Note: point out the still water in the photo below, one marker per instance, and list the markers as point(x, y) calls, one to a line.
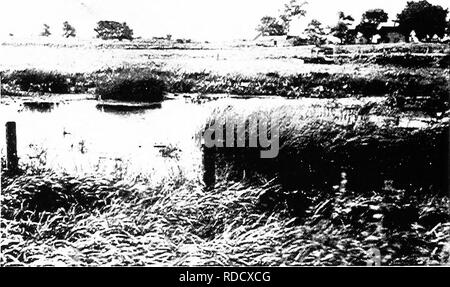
point(81, 137)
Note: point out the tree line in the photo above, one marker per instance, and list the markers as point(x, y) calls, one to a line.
point(425, 19)
point(105, 30)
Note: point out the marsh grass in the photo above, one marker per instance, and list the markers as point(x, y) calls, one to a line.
point(131, 86)
point(115, 222)
point(38, 81)
point(419, 90)
point(312, 148)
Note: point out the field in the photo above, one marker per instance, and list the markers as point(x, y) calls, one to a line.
point(116, 176)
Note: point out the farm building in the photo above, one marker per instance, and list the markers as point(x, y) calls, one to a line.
point(271, 41)
point(390, 34)
point(298, 40)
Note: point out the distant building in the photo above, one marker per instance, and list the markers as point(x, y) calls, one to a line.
point(298, 40)
point(280, 41)
point(271, 41)
point(390, 33)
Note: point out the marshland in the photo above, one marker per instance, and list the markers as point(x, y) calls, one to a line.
point(111, 165)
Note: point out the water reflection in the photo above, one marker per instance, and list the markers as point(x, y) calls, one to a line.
point(41, 107)
point(126, 108)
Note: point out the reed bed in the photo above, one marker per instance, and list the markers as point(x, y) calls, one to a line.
point(315, 142)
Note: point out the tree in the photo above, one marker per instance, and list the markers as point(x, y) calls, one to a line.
point(316, 35)
point(68, 30)
point(107, 30)
point(423, 18)
point(370, 21)
point(270, 26)
point(292, 9)
point(46, 31)
point(341, 29)
point(345, 18)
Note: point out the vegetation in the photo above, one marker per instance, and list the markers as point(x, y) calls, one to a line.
point(46, 31)
point(38, 81)
point(269, 26)
point(315, 32)
point(68, 30)
point(133, 87)
point(107, 30)
point(315, 143)
point(273, 26)
point(53, 219)
point(370, 21)
point(421, 90)
point(341, 30)
point(424, 18)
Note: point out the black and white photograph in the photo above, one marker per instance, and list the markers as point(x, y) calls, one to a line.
point(224, 133)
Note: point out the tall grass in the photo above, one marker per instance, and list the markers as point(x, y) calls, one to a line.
point(103, 222)
point(132, 86)
point(38, 81)
point(314, 147)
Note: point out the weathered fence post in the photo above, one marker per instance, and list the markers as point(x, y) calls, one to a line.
point(209, 166)
point(11, 147)
point(208, 160)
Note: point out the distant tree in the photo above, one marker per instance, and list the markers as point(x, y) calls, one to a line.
point(341, 30)
point(292, 9)
point(375, 16)
point(370, 21)
point(107, 30)
point(447, 30)
point(423, 18)
point(345, 18)
point(315, 32)
point(46, 31)
point(270, 26)
point(68, 30)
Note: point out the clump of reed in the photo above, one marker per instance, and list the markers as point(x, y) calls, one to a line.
point(130, 85)
point(32, 80)
point(39, 81)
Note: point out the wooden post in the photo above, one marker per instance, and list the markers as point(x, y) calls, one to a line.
point(11, 147)
point(209, 166)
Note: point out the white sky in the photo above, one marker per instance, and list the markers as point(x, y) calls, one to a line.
point(197, 19)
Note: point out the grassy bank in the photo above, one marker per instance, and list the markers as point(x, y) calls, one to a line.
point(423, 89)
point(54, 219)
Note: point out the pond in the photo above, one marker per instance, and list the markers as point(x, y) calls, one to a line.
point(84, 137)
